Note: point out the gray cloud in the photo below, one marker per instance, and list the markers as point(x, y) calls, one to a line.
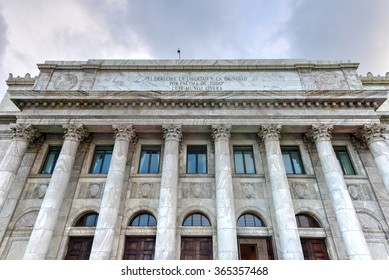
point(334, 29)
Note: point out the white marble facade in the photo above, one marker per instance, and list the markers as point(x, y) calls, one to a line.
point(260, 106)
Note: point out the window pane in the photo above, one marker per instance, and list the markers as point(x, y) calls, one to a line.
point(152, 221)
point(191, 163)
point(154, 164)
point(249, 220)
point(98, 160)
point(91, 220)
point(298, 168)
point(344, 160)
point(144, 162)
point(51, 160)
point(239, 167)
point(196, 220)
point(287, 163)
point(202, 163)
point(135, 222)
point(241, 222)
point(107, 162)
point(188, 221)
point(205, 221)
point(143, 219)
point(249, 161)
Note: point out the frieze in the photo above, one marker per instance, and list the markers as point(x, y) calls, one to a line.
point(65, 82)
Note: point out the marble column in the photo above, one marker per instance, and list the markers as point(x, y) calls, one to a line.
point(374, 138)
point(109, 209)
point(44, 227)
point(290, 244)
point(346, 216)
point(23, 135)
point(227, 242)
point(166, 240)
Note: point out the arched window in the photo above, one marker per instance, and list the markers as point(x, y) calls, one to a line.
point(143, 220)
point(87, 220)
point(250, 220)
point(196, 220)
point(306, 221)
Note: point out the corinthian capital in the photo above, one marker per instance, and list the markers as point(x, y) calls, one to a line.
point(24, 132)
point(124, 132)
point(172, 132)
point(319, 132)
point(75, 132)
point(270, 132)
point(371, 132)
point(221, 131)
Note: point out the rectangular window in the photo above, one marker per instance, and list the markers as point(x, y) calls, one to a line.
point(244, 160)
point(101, 160)
point(292, 160)
point(51, 160)
point(344, 160)
point(149, 159)
point(196, 161)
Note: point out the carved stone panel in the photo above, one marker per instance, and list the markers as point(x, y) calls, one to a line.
point(36, 190)
point(360, 191)
point(196, 190)
point(91, 190)
point(369, 222)
point(27, 220)
point(144, 189)
point(302, 190)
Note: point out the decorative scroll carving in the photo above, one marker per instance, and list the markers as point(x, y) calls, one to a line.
point(248, 190)
point(221, 132)
point(65, 82)
point(24, 132)
point(39, 191)
point(124, 132)
point(27, 220)
point(75, 132)
point(172, 132)
point(270, 132)
point(319, 132)
point(371, 132)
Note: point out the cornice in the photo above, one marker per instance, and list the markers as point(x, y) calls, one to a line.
point(225, 64)
point(371, 79)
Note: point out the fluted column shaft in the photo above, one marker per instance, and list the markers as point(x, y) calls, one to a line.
point(166, 240)
point(44, 227)
point(9, 166)
point(350, 228)
point(109, 209)
point(290, 245)
point(373, 136)
point(225, 208)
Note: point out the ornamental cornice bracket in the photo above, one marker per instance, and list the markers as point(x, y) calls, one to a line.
point(75, 132)
point(172, 132)
point(124, 132)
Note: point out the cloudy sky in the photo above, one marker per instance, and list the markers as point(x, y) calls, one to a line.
point(33, 31)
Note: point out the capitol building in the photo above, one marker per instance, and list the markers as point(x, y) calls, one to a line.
point(195, 160)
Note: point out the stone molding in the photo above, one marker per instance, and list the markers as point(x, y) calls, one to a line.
point(24, 132)
point(221, 132)
point(371, 132)
point(172, 132)
point(319, 132)
point(124, 132)
point(55, 103)
point(270, 132)
point(75, 132)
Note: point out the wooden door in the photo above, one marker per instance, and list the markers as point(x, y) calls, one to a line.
point(79, 248)
point(314, 249)
point(255, 249)
point(196, 248)
point(139, 248)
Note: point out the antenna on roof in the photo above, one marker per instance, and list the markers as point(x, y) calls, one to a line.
point(179, 53)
